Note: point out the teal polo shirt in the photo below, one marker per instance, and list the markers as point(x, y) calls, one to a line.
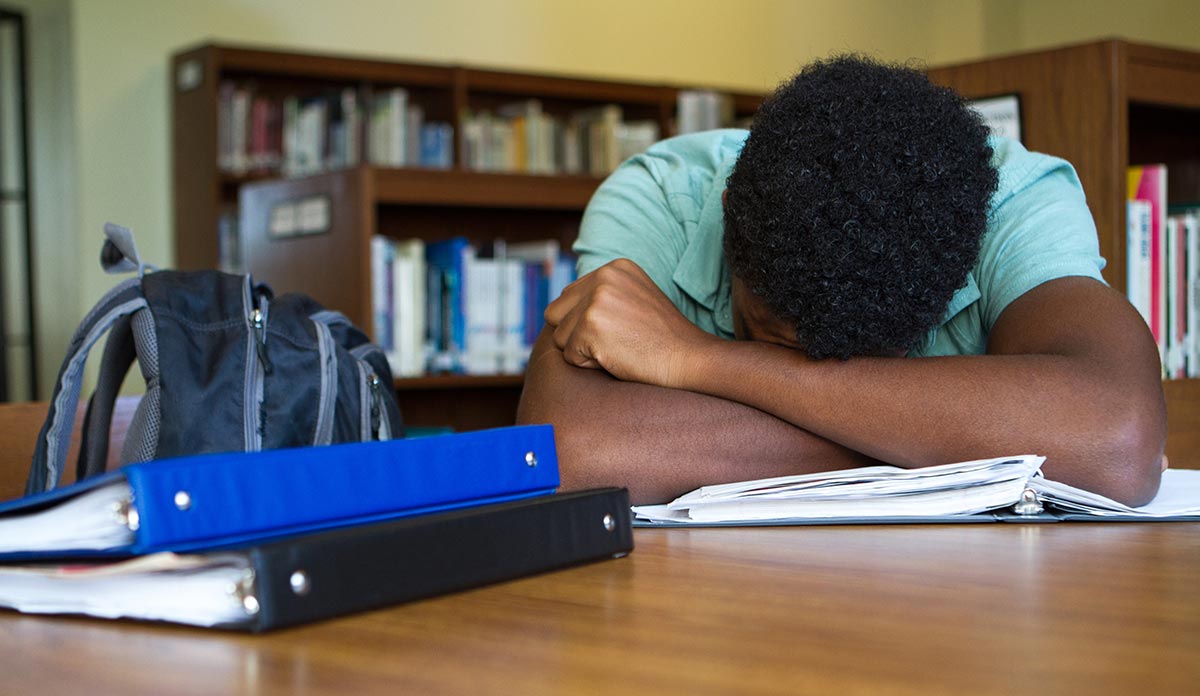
point(662, 210)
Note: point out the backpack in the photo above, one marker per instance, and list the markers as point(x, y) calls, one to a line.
point(227, 366)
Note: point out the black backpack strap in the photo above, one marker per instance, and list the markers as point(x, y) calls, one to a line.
point(119, 354)
point(55, 436)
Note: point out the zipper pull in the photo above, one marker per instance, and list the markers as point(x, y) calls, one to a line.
point(260, 339)
point(375, 413)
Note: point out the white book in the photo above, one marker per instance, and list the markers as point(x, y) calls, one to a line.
point(378, 145)
point(888, 493)
point(381, 300)
point(1174, 345)
point(1192, 236)
point(397, 114)
point(513, 352)
point(1137, 256)
point(481, 289)
point(408, 288)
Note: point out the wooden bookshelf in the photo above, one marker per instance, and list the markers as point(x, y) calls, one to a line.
point(334, 266)
point(1104, 106)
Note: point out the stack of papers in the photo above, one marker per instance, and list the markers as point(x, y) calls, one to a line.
point(878, 491)
point(938, 493)
point(1178, 496)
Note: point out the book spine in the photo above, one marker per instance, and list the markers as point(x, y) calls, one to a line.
point(1149, 183)
point(1192, 225)
point(1137, 256)
point(1171, 305)
point(381, 301)
point(308, 579)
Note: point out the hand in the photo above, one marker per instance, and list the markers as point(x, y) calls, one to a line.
point(616, 318)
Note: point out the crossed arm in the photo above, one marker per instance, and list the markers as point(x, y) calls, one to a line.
point(641, 397)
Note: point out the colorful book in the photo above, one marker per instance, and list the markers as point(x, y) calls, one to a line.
point(218, 500)
point(1149, 183)
point(316, 576)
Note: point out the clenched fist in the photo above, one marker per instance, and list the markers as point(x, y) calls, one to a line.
point(615, 318)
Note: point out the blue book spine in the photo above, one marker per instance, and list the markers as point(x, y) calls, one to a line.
point(437, 150)
point(447, 262)
point(216, 500)
point(534, 311)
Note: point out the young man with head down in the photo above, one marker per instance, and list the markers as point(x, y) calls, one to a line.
point(866, 276)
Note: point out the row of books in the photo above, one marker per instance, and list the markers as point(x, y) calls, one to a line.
point(263, 133)
point(452, 306)
point(522, 138)
point(1163, 268)
point(296, 135)
point(305, 539)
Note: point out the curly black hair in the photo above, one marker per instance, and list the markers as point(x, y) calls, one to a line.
point(858, 203)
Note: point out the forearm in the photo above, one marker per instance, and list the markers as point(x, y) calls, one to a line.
point(661, 442)
point(1100, 425)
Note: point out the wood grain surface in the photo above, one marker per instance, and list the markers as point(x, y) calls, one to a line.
point(983, 609)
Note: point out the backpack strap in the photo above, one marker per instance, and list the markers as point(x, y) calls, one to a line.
point(118, 355)
point(54, 438)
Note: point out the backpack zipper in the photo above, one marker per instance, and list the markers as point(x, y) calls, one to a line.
point(373, 425)
point(258, 321)
point(380, 426)
point(258, 366)
point(375, 407)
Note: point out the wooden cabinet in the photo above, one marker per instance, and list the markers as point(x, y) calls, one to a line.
point(1104, 106)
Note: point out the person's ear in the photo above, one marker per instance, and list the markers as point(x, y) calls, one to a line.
point(724, 192)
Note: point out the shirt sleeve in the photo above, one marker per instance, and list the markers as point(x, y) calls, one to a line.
point(1040, 231)
point(631, 216)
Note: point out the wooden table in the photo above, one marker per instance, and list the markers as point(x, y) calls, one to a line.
point(982, 609)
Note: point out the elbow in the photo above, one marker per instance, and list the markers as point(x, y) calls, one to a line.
point(1131, 452)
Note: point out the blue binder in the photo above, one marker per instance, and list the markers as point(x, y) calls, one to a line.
point(219, 500)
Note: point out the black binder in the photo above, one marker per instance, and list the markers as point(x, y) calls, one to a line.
point(317, 576)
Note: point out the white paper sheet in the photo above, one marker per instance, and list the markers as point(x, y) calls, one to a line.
point(197, 590)
point(91, 520)
point(962, 488)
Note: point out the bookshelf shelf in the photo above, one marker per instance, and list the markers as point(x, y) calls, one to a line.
point(482, 189)
point(1104, 106)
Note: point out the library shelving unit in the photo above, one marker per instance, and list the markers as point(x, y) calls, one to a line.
point(1104, 106)
point(354, 203)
